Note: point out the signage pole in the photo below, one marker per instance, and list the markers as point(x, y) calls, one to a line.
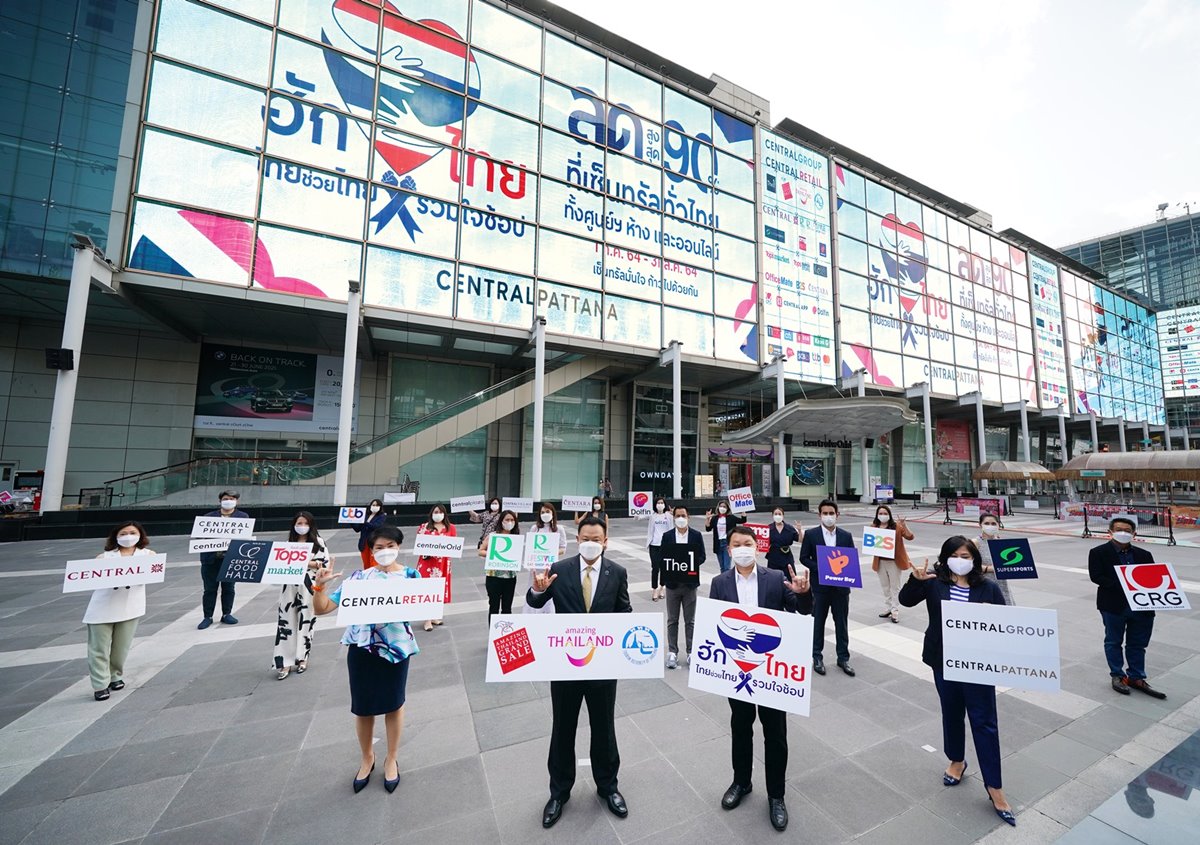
point(539, 403)
point(980, 437)
point(671, 355)
point(780, 401)
point(1064, 446)
point(341, 475)
point(1121, 432)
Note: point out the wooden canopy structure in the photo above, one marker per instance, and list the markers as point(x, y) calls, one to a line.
point(1159, 467)
point(1012, 471)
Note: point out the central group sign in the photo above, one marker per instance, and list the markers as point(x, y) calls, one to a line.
point(1000, 645)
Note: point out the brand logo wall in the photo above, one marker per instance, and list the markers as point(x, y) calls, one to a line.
point(838, 566)
point(1012, 559)
point(1152, 586)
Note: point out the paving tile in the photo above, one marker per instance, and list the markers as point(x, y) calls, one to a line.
point(837, 789)
point(1026, 778)
point(517, 772)
point(1092, 831)
point(966, 806)
point(244, 828)
point(1062, 754)
point(639, 696)
point(480, 826)
point(55, 779)
point(219, 791)
point(89, 819)
point(713, 826)
point(426, 742)
point(909, 770)
point(513, 723)
point(843, 729)
point(256, 739)
point(585, 821)
point(188, 718)
point(1070, 803)
point(914, 825)
point(1106, 727)
point(150, 761)
point(677, 725)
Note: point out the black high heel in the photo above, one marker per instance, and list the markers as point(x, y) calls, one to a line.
point(391, 784)
point(1005, 815)
point(947, 780)
point(361, 783)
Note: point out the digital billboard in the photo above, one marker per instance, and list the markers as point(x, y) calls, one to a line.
point(795, 249)
point(1179, 350)
point(460, 160)
point(1048, 333)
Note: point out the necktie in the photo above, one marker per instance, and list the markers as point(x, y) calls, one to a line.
point(587, 590)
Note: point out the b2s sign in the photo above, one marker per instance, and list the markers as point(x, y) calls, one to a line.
point(1152, 586)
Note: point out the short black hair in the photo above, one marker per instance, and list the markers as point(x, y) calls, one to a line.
point(111, 543)
point(386, 532)
point(679, 508)
point(228, 494)
point(592, 520)
point(1130, 521)
point(827, 503)
point(741, 529)
point(952, 545)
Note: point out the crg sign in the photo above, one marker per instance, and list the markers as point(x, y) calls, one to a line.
point(1152, 586)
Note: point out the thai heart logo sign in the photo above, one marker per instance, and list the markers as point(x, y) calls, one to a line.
point(748, 639)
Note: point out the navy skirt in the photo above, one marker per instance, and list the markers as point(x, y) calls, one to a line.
point(376, 685)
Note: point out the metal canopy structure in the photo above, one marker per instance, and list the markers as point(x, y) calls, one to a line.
point(1135, 466)
point(1012, 471)
point(847, 419)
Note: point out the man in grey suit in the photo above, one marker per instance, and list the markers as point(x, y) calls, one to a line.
point(585, 583)
point(757, 586)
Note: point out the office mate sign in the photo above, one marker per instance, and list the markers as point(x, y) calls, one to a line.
point(1152, 586)
point(1012, 559)
point(753, 654)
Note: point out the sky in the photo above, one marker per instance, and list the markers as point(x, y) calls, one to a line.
point(1064, 119)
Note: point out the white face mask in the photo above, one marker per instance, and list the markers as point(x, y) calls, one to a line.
point(661, 507)
point(596, 506)
point(590, 550)
point(742, 555)
point(778, 518)
point(374, 508)
point(438, 517)
point(1123, 537)
point(960, 565)
point(301, 529)
point(547, 516)
point(509, 525)
point(128, 541)
point(991, 529)
point(722, 509)
point(385, 557)
point(228, 504)
point(495, 507)
point(681, 522)
point(882, 518)
point(829, 520)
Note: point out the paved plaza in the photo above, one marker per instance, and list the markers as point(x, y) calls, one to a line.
point(206, 746)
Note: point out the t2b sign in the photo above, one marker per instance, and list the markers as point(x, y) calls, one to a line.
point(1152, 586)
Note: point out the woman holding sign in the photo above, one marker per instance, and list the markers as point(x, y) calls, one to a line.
point(781, 556)
point(958, 576)
point(377, 660)
point(719, 526)
point(296, 622)
point(597, 512)
point(436, 567)
point(112, 615)
point(891, 569)
point(989, 529)
point(501, 584)
point(376, 518)
point(547, 524)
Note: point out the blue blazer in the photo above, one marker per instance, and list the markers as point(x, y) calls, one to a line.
point(933, 592)
point(772, 594)
point(814, 537)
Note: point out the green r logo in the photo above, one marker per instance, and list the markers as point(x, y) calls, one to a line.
point(1011, 556)
point(501, 545)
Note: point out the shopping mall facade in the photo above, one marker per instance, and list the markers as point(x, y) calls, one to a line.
point(474, 168)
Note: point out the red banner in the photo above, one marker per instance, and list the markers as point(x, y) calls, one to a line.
point(953, 440)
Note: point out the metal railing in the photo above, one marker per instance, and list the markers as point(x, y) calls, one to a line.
point(1153, 522)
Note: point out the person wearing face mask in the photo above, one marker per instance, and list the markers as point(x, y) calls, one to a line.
point(436, 567)
point(597, 512)
point(958, 576)
point(547, 524)
point(587, 582)
point(682, 554)
point(1126, 630)
point(659, 523)
point(891, 569)
point(719, 525)
point(296, 622)
point(501, 584)
point(210, 568)
point(376, 519)
point(826, 599)
point(376, 661)
point(488, 520)
point(752, 586)
point(112, 614)
point(989, 529)
point(783, 537)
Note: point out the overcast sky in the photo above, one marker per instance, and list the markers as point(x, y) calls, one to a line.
point(1064, 119)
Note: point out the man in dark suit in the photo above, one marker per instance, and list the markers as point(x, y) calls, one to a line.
point(585, 583)
point(750, 584)
point(826, 598)
point(1122, 624)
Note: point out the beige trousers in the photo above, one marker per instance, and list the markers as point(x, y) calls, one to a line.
point(108, 646)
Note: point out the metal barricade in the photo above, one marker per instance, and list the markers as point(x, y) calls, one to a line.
point(955, 512)
point(1152, 522)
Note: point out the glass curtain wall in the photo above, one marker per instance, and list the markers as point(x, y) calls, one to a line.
point(573, 442)
point(653, 463)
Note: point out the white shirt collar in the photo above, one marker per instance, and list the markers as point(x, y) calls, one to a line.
point(595, 566)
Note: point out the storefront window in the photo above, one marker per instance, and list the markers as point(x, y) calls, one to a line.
point(653, 462)
point(573, 442)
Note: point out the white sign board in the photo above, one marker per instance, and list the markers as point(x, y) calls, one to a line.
point(517, 506)
point(641, 504)
point(287, 563)
point(541, 549)
point(1152, 586)
point(227, 528)
point(753, 654)
point(970, 510)
point(504, 552)
point(1030, 504)
point(393, 498)
point(375, 601)
point(352, 515)
point(104, 572)
point(582, 504)
point(575, 646)
point(437, 545)
point(203, 545)
point(467, 503)
point(878, 542)
point(741, 500)
point(1001, 645)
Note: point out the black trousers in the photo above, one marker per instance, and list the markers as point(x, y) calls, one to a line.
point(975, 703)
point(775, 747)
point(836, 599)
point(208, 574)
point(565, 700)
point(500, 593)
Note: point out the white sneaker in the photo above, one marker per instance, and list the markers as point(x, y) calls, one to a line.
point(672, 663)
point(687, 658)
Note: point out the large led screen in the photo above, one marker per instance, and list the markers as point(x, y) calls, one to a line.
point(1048, 333)
point(460, 160)
point(1179, 349)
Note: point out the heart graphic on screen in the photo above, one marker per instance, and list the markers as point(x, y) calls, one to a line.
point(748, 637)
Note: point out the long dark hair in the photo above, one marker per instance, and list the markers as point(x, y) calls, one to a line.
point(111, 543)
point(313, 533)
point(952, 545)
point(552, 525)
point(500, 524)
point(431, 525)
point(891, 523)
point(597, 500)
point(374, 502)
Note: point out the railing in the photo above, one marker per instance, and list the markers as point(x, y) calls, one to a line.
point(1153, 522)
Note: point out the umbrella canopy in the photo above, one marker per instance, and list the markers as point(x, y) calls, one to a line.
point(1012, 471)
point(1134, 466)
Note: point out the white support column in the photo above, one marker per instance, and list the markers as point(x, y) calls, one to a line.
point(1167, 438)
point(341, 473)
point(1146, 435)
point(1063, 443)
point(1187, 440)
point(1025, 430)
point(539, 403)
point(922, 390)
point(775, 368)
point(671, 355)
point(867, 494)
point(1095, 434)
point(1121, 433)
point(88, 262)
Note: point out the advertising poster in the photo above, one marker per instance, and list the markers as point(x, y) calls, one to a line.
point(221, 527)
point(879, 542)
point(1012, 559)
point(376, 601)
point(1001, 645)
point(575, 646)
point(504, 552)
point(1179, 349)
point(753, 654)
point(240, 387)
point(641, 503)
point(953, 440)
point(741, 500)
point(1048, 333)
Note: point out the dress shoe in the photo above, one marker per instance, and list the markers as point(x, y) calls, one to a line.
point(616, 804)
point(1005, 815)
point(778, 813)
point(1141, 686)
point(845, 666)
point(885, 614)
point(1118, 684)
point(361, 783)
point(734, 794)
point(101, 694)
point(390, 784)
point(116, 685)
point(204, 623)
point(950, 780)
point(552, 812)
point(818, 666)
point(229, 619)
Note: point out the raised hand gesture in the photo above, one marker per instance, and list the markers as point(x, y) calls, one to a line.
point(923, 573)
point(542, 580)
point(797, 583)
point(326, 574)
